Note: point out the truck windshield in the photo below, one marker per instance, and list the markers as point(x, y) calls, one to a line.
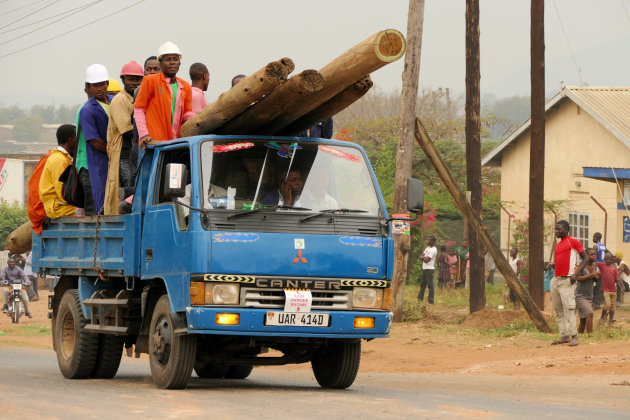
point(308, 177)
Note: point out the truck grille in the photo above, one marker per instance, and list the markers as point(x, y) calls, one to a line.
point(274, 299)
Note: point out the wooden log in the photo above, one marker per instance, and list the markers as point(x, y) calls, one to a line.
point(20, 240)
point(329, 108)
point(378, 50)
point(301, 86)
point(236, 100)
point(477, 224)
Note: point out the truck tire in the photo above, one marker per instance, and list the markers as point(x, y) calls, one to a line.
point(336, 365)
point(172, 357)
point(210, 371)
point(239, 372)
point(110, 349)
point(76, 348)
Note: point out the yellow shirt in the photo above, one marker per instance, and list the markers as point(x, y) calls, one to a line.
point(50, 186)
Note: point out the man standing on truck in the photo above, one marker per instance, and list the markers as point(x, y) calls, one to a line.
point(11, 274)
point(122, 171)
point(49, 185)
point(200, 78)
point(164, 101)
point(93, 120)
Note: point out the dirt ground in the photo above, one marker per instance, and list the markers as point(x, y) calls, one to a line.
point(436, 345)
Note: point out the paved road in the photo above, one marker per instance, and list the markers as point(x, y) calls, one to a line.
point(33, 377)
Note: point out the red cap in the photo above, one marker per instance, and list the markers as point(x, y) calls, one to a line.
point(132, 69)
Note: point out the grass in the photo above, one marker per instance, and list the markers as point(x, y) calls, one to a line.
point(28, 330)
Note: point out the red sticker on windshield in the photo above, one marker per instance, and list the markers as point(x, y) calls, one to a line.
point(337, 152)
point(220, 148)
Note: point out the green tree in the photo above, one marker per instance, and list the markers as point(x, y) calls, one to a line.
point(28, 129)
point(12, 216)
point(47, 113)
point(11, 114)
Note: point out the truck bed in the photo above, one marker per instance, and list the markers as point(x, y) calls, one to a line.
point(82, 246)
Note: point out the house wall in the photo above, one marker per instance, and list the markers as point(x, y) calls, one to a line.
point(573, 140)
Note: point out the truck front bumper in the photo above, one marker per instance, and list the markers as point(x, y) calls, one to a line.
point(201, 320)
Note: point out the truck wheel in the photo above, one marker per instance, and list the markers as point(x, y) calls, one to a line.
point(210, 371)
point(76, 348)
point(337, 365)
point(239, 372)
point(110, 348)
point(171, 356)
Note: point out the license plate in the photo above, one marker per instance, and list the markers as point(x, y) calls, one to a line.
point(17, 286)
point(311, 319)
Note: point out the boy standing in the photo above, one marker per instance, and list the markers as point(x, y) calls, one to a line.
point(584, 292)
point(428, 267)
point(610, 282)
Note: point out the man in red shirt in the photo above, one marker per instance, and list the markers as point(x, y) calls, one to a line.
point(610, 282)
point(563, 284)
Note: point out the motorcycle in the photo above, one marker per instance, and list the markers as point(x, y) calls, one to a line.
point(15, 304)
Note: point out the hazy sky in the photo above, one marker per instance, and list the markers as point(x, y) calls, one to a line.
point(240, 36)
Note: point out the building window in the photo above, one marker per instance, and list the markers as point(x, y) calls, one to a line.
point(626, 192)
point(580, 226)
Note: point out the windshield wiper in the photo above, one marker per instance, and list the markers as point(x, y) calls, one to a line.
point(282, 207)
point(342, 211)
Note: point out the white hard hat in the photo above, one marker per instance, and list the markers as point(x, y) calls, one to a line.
point(96, 73)
point(168, 48)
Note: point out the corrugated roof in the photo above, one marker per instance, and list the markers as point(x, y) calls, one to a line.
point(609, 106)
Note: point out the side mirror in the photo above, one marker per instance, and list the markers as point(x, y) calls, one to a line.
point(415, 196)
point(175, 182)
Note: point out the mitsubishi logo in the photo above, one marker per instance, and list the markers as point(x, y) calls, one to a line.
point(299, 258)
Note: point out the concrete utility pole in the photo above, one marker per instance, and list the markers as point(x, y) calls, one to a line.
point(537, 155)
point(477, 279)
point(404, 154)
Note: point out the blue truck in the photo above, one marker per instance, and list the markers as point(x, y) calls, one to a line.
point(239, 251)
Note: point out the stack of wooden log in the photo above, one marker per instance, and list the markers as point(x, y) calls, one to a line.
point(269, 103)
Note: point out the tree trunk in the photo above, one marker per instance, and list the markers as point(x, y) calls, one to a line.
point(537, 155)
point(404, 154)
point(476, 223)
point(329, 108)
point(378, 50)
point(473, 155)
point(301, 86)
point(236, 100)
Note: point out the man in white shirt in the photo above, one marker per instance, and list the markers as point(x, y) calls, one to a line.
point(428, 268)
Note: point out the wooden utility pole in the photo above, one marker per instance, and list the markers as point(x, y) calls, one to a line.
point(537, 155)
point(477, 279)
point(476, 224)
point(404, 154)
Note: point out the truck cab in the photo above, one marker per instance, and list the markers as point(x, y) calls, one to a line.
point(236, 246)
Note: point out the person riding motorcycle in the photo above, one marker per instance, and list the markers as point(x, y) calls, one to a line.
point(11, 274)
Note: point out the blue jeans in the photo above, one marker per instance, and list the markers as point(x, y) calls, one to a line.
point(427, 281)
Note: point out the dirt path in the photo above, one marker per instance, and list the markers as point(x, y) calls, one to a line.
point(432, 345)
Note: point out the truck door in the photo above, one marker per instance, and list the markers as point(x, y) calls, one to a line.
point(166, 239)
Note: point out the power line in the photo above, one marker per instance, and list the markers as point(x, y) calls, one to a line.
point(30, 14)
point(85, 6)
point(566, 37)
point(23, 7)
point(51, 23)
point(72, 30)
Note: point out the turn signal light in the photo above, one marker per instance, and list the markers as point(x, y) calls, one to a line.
point(387, 299)
point(363, 322)
point(227, 319)
point(197, 289)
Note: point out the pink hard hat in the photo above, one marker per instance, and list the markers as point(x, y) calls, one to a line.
point(132, 69)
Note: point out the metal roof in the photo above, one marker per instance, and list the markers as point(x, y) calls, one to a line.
point(608, 105)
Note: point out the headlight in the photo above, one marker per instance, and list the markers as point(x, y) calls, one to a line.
point(213, 293)
point(367, 297)
point(223, 294)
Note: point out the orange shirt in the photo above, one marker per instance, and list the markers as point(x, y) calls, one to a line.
point(153, 107)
